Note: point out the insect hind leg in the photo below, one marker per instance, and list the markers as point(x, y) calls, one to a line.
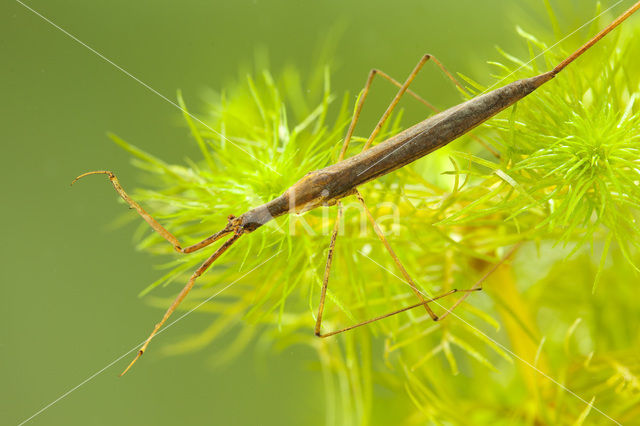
point(407, 308)
point(403, 89)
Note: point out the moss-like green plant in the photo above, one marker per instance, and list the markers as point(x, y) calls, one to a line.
point(565, 186)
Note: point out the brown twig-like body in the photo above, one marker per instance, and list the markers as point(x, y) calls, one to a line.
point(328, 185)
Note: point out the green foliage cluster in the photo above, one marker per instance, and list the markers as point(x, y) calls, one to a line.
point(565, 187)
point(581, 179)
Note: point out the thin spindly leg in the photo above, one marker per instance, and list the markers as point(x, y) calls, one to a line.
point(369, 321)
point(327, 270)
point(405, 274)
point(187, 288)
point(476, 287)
point(325, 282)
point(395, 258)
point(336, 227)
point(402, 91)
point(404, 88)
point(154, 223)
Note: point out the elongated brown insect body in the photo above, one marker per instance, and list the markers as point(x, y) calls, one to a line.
point(326, 186)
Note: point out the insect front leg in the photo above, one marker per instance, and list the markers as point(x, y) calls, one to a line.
point(155, 225)
point(187, 288)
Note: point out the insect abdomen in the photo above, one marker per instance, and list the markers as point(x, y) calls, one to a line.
point(436, 131)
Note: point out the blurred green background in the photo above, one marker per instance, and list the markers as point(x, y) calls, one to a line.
point(70, 279)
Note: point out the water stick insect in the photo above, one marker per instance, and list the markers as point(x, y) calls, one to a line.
point(328, 186)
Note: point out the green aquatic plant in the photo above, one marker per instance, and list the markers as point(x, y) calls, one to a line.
point(565, 187)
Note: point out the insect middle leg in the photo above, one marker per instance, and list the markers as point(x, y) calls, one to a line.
point(423, 302)
point(404, 88)
point(393, 255)
point(476, 287)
